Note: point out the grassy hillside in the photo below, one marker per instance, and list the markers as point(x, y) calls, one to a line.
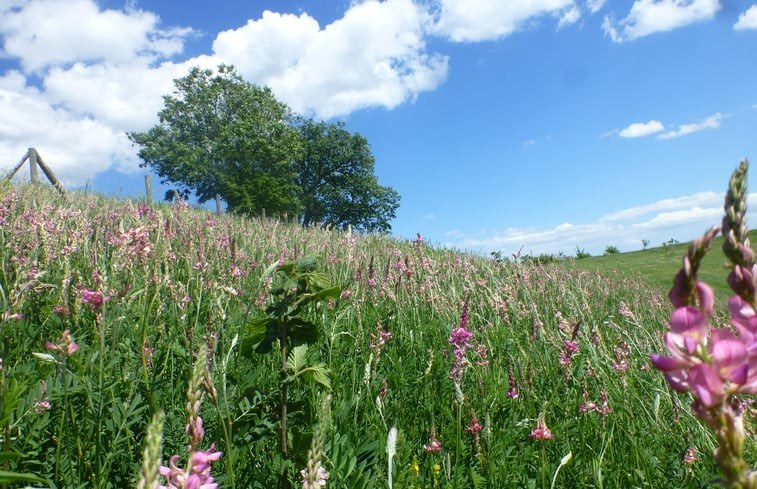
point(657, 266)
point(491, 373)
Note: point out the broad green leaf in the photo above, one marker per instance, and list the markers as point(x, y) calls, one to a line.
point(318, 374)
point(297, 358)
point(307, 263)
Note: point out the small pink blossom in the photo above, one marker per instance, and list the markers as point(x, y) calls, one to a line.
point(541, 432)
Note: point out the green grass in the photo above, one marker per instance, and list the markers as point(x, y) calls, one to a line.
point(180, 279)
point(656, 267)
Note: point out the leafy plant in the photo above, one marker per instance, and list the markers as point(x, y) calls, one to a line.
point(295, 287)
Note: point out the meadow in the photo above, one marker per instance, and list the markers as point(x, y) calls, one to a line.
point(418, 367)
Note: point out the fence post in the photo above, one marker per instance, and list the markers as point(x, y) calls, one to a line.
point(148, 189)
point(49, 173)
point(218, 204)
point(33, 165)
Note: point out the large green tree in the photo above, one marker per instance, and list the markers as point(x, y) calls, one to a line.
point(337, 181)
point(219, 134)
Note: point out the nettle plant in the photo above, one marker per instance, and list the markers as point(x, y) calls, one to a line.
point(295, 288)
point(718, 365)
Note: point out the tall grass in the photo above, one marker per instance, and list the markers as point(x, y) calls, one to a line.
point(549, 346)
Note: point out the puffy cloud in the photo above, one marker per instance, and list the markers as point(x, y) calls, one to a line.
point(747, 20)
point(640, 129)
point(93, 65)
point(480, 20)
point(650, 16)
point(711, 122)
point(77, 148)
point(41, 33)
point(373, 56)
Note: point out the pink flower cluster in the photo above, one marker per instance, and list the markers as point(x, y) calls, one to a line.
point(460, 341)
point(65, 344)
point(196, 476)
point(711, 364)
point(95, 299)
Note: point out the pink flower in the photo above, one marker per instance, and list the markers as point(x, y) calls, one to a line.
point(65, 345)
point(541, 432)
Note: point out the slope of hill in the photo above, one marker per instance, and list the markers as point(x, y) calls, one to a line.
point(491, 373)
point(657, 266)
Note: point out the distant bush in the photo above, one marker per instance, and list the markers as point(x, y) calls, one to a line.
point(611, 250)
point(645, 243)
point(581, 253)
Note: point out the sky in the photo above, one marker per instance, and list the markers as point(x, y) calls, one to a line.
point(531, 126)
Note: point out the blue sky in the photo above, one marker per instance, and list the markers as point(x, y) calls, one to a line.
point(533, 125)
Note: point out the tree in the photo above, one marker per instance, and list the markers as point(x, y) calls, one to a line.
point(219, 134)
point(336, 180)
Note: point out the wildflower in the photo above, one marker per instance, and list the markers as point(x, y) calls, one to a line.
point(541, 432)
point(459, 339)
point(65, 345)
point(433, 445)
point(474, 427)
point(690, 456)
point(321, 476)
point(512, 392)
point(95, 299)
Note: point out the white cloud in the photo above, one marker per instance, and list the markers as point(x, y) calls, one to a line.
point(682, 218)
point(76, 148)
point(373, 56)
point(481, 20)
point(53, 32)
point(650, 16)
point(640, 129)
point(101, 74)
point(688, 202)
point(570, 17)
point(711, 122)
point(595, 6)
point(747, 20)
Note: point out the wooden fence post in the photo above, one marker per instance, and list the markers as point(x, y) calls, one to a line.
point(148, 189)
point(33, 165)
point(48, 172)
point(218, 204)
point(18, 166)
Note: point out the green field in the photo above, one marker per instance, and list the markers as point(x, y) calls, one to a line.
point(469, 360)
point(657, 266)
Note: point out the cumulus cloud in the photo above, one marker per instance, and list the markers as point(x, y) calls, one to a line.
point(681, 218)
point(711, 122)
point(747, 20)
point(93, 65)
point(41, 33)
point(650, 16)
point(640, 129)
point(481, 20)
point(374, 56)
point(77, 148)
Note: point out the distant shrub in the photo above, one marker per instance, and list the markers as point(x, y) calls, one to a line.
point(611, 250)
point(581, 253)
point(645, 243)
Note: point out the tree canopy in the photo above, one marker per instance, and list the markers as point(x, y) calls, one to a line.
point(336, 180)
point(221, 135)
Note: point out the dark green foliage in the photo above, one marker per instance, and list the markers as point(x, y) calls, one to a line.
point(337, 181)
point(219, 134)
